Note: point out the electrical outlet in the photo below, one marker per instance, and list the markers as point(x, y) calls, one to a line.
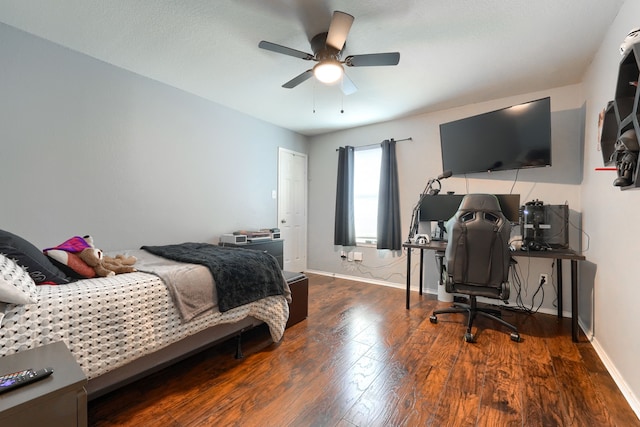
point(343, 254)
point(357, 256)
point(544, 278)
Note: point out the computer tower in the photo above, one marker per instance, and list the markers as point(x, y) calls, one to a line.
point(544, 227)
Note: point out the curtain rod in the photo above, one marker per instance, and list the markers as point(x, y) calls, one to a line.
point(373, 145)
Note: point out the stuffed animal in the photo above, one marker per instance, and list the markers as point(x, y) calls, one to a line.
point(105, 265)
point(119, 263)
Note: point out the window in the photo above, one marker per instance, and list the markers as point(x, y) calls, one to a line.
point(366, 183)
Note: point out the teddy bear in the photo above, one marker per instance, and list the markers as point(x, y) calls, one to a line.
point(105, 265)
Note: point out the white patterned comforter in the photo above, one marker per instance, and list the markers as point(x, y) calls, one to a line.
point(108, 322)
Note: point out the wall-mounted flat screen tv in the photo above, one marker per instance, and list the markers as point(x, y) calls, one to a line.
point(511, 138)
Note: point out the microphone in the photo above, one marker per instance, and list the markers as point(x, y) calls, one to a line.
point(428, 191)
point(445, 174)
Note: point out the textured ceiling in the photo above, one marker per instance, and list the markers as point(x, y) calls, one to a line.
point(452, 52)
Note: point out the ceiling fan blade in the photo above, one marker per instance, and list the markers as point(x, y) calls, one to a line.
point(284, 50)
point(373, 59)
point(298, 79)
point(339, 29)
point(348, 87)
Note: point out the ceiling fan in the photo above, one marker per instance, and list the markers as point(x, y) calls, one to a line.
point(327, 49)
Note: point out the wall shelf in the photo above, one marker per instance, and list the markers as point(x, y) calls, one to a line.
point(609, 133)
point(623, 113)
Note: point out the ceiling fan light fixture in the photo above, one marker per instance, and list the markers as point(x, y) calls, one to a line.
point(328, 71)
point(328, 48)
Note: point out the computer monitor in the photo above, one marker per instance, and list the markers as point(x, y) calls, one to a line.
point(510, 205)
point(443, 206)
point(440, 207)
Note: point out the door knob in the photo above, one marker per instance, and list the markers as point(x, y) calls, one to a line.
point(284, 221)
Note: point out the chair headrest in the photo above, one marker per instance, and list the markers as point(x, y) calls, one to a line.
point(480, 202)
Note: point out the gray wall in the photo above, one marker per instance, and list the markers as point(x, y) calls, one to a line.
point(610, 293)
point(88, 148)
point(419, 160)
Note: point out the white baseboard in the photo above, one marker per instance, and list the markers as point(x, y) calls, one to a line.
point(358, 279)
point(619, 380)
point(633, 400)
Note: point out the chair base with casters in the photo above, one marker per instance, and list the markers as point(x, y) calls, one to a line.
point(473, 310)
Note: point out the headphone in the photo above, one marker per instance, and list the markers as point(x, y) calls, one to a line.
point(421, 239)
point(536, 246)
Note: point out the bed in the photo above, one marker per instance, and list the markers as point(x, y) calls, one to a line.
point(123, 327)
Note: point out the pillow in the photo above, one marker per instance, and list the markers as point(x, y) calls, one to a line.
point(75, 244)
point(41, 270)
point(16, 286)
point(71, 263)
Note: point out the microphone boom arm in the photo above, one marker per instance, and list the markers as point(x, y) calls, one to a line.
point(428, 191)
point(415, 217)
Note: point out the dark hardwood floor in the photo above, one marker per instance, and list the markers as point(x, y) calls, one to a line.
point(362, 359)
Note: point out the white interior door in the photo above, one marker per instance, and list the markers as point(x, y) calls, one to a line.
point(292, 207)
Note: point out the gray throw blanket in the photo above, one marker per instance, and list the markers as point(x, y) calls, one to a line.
point(191, 286)
point(241, 275)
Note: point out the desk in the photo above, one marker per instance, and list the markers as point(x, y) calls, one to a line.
point(557, 254)
point(434, 245)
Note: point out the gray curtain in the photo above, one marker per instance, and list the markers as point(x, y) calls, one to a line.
point(389, 199)
point(345, 226)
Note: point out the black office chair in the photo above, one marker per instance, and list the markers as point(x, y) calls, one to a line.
point(477, 259)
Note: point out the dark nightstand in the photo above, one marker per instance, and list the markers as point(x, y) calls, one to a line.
point(58, 400)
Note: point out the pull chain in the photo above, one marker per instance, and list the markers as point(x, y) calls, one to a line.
point(342, 95)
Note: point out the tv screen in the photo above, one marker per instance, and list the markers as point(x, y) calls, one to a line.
point(511, 138)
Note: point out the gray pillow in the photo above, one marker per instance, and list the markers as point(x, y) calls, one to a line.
point(41, 270)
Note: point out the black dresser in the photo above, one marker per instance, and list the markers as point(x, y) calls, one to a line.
point(273, 247)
